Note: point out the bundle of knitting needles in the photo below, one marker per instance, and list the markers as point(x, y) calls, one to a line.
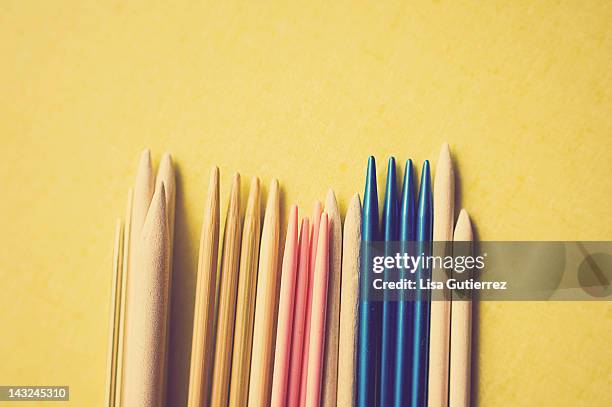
point(141, 289)
point(291, 325)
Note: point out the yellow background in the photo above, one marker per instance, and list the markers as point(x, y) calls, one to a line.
point(522, 92)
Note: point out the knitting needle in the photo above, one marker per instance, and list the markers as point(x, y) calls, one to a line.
point(444, 216)
point(115, 304)
point(266, 304)
point(226, 313)
point(165, 176)
point(299, 316)
point(407, 235)
point(245, 306)
point(285, 313)
point(349, 303)
point(369, 312)
point(202, 347)
point(147, 308)
point(314, 236)
point(461, 330)
point(389, 306)
point(317, 323)
point(143, 192)
point(123, 299)
point(420, 345)
point(332, 327)
point(144, 187)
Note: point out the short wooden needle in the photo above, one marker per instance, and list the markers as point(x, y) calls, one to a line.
point(266, 304)
point(330, 359)
point(202, 345)
point(226, 313)
point(349, 303)
point(245, 306)
point(461, 330)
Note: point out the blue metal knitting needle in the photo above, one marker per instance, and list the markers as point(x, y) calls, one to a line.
point(420, 346)
point(389, 306)
point(369, 314)
point(407, 235)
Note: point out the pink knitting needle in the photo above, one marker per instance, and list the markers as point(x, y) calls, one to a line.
point(285, 313)
point(317, 322)
point(299, 316)
point(316, 219)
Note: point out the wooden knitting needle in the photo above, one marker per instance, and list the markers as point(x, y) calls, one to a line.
point(143, 192)
point(226, 313)
point(285, 313)
point(444, 206)
point(245, 306)
point(115, 304)
point(202, 346)
point(461, 331)
point(165, 176)
point(122, 293)
point(349, 303)
point(332, 328)
point(144, 187)
point(299, 316)
point(266, 304)
point(317, 323)
point(148, 298)
point(314, 238)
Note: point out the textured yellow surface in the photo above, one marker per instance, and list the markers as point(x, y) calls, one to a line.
point(522, 92)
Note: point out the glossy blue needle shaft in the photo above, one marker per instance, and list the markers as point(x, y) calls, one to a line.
point(369, 310)
point(407, 235)
point(389, 306)
point(420, 346)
